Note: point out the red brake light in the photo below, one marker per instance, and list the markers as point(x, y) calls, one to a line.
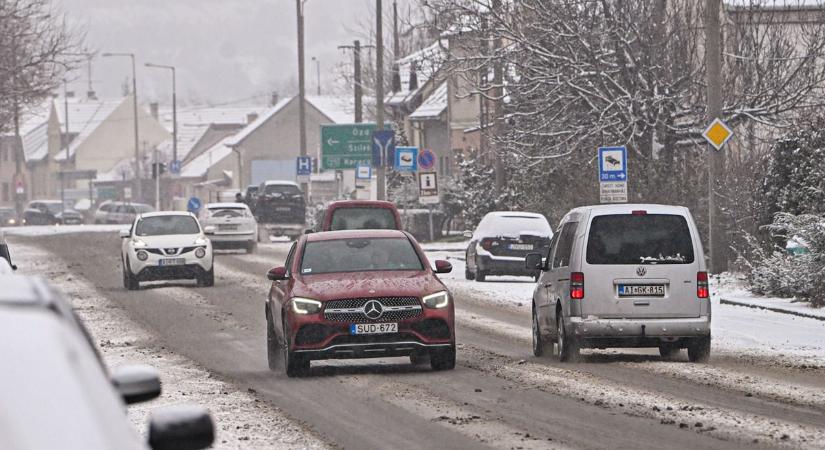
point(639, 213)
point(576, 285)
point(486, 243)
point(702, 286)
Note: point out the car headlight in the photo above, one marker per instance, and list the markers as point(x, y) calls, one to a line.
point(305, 305)
point(437, 301)
point(12, 221)
point(142, 255)
point(200, 252)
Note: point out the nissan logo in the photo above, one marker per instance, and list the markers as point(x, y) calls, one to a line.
point(641, 271)
point(373, 309)
point(171, 251)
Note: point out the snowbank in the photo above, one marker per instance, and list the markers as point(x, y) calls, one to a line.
point(51, 230)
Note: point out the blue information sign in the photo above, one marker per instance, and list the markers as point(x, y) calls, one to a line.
point(194, 205)
point(613, 163)
point(406, 159)
point(303, 166)
point(174, 167)
point(383, 143)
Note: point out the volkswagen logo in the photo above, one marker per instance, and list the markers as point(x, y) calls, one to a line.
point(373, 309)
point(641, 271)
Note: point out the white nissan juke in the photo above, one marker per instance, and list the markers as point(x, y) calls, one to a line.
point(167, 245)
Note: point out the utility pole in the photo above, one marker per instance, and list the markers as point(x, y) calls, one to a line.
point(395, 43)
point(301, 94)
point(174, 107)
point(65, 142)
point(358, 86)
point(138, 171)
point(379, 91)
point(498, 82)
point(716, 158)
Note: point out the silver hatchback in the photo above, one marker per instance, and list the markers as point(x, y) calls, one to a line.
point(623, 276)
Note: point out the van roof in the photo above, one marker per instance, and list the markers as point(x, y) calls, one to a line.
point(628, 208)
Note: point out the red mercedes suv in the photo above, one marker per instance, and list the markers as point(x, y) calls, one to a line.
point(358, 294)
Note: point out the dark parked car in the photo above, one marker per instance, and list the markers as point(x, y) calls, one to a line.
point(501, 242)
point(359, 215)
point(280, 208)
point(8, 217)
point(50, 212)
point(358, 294)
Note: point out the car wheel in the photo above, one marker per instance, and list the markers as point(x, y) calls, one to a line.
point(567, 347)
point(207, 279)
point(699, 350)
point(669, 351)
point(251, 247)
point(481, 276)
point(130, 281)
point(271, 343)
point(538, 341)
point(536, 277)
point(295, 365)
point(443, 359)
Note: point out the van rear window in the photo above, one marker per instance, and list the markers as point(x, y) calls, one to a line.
point(639, 239)
point(363, 219)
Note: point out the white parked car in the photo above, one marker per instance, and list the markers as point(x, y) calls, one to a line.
point(235, 226)
point(166, 246)
point(110, 212)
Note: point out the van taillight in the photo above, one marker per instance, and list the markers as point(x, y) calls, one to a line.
point(702, 289)
point(486, 243)
point(577, 285)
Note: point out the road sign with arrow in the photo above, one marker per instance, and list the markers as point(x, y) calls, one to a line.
point(613, 174)
point(346, 146)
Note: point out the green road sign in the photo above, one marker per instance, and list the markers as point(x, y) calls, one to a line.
point(346, 146)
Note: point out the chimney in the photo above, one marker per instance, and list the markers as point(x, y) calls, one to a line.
point(251, 117)
point(69, 94)
point(396, 78)
point(91, 95)
point(274, 100)
point(413, 77)
point(153, 109)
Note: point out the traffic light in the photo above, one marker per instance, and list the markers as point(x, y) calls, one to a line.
point(158, 168)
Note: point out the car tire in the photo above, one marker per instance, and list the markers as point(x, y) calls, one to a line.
point(536, 277)
point(467, 274)
point(669, 351)
point(251, 247)
point(294, 365)
point(207, 279)
point(272, 347)
point(699, 350)
point(567, 347)
point(443, 359)
point(538, 341)
point(130, 281)
point(481, 276)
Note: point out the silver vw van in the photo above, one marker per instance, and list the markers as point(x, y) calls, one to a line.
point(623, 276)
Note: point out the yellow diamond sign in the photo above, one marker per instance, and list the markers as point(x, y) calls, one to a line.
point(717, 133)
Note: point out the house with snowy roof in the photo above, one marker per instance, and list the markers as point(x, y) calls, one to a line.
point(39, 130)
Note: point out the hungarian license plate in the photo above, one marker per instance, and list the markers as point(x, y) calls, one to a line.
point(641, 290)
point(373, 328)
point(172, 262)
point(521, 246)
point(227, 227)
point(283, 208)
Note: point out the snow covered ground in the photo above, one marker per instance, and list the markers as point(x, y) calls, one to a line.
point(51, 230)
point(732, 288)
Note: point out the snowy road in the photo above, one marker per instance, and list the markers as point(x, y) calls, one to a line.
point(763, 388)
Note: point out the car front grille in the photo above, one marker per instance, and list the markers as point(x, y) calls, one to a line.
point(393, 309)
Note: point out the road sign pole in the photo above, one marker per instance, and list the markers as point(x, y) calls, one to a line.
point(716, 159)
point(379, 89)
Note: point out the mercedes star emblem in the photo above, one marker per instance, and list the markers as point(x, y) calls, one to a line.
point(373, 309)
point(641, 271)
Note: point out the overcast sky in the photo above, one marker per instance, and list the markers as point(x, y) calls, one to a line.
point(224, 50)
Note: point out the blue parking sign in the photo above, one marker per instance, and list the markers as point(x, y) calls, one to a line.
point(613, 163)
point(406, 159)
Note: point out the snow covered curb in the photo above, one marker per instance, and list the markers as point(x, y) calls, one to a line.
point(51, 230)
point(241, 419)
point(783, 306)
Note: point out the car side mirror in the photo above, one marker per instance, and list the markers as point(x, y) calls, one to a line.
point(136, 384)
point(125, 234)
point(467, 234)
point(277, 274)
point(14, 267)
point(533, 261)
point(181, 427)
point(442, 266)
point(209, 229)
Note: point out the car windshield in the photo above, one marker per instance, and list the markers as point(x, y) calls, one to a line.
point(362, 218)
point(639, 239)
point(282, 189)
point(6, 212)
point(358, 255)
point(167, 225)
point(53, 207)
point(228, 212)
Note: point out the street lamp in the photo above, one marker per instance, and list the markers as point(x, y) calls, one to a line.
point(318, 74)
point(138, 172)
point(174, 108)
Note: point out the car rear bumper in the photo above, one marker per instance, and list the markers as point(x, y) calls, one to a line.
point(639, 329)
point(504, 265)
point(232, 239)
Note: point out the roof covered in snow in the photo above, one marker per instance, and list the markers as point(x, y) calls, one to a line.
point(418, 67)
point(200, 166)
point(36, 142)
point(85, 116)
point(262, 119)
point(433, 106)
